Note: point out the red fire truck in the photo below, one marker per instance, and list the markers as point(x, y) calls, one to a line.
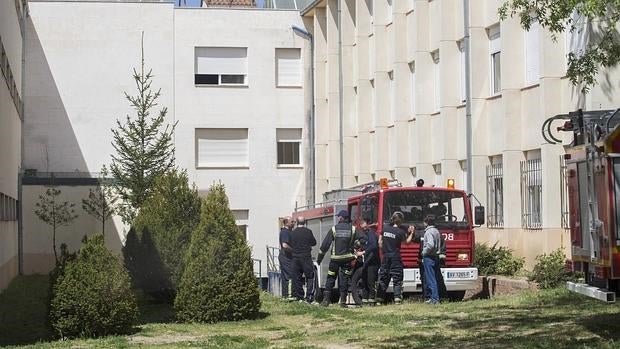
point(376, 203)
point(593, 179)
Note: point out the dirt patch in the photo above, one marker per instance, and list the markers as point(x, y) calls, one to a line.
point(164, 339)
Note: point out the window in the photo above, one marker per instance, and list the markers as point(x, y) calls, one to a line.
point(495, 195)
point(289, 146)
point(241, 219)
point(437, 80)
point(577, 35)
point(463, 70)
point(288, 67)
point(222, 147)
point(531, 194)
point(495, 51)
point(532, 47)
point(390, 7)
point(412, 104)
point(8, 208)
point(220, 65)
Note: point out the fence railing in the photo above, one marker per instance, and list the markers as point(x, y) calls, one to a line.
point(531, 194)
point(495, 196)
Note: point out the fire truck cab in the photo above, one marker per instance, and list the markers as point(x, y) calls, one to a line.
point(593, 179)
point(376, 202)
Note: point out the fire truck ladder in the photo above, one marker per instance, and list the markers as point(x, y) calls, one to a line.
point(592, 156)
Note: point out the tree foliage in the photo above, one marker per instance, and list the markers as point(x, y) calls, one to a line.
point(93, 296)
point(218, 283)
point(100, 202)
point(143, 145)
point(600, 16)
point(169, 215)
point(55, 213)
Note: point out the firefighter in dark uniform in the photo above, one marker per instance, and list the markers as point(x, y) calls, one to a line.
point(392, 264)
point(340, 239)
point(285, 256)
point(371, 263)
point(302, 240)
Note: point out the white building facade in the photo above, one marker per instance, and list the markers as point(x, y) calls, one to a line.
point(231, 78)
point(11, 116)
point(403, 108)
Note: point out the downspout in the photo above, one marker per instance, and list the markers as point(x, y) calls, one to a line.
point(468, 130)
point(311, 142)
point(340, 96)
point(20, 196)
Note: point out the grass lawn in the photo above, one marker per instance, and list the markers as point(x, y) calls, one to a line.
point(547, 319)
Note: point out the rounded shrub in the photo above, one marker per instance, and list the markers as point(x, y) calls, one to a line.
point(218, 283)
point(496, 260)
point(93, 296)
point(162, 231)
point(550, 270)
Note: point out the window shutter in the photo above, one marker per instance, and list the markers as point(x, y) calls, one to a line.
point(289, 66)
point(532, 47)
point(221, 60)
point(222, 147)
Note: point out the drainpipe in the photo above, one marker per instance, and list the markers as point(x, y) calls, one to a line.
point(468, 131)
point(20, 198)
point(311, 178)
point(340, 95)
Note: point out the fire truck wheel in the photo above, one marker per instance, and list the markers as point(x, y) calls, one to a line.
point(456, 296)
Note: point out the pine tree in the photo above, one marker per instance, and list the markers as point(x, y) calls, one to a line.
point(143, 145)
point(100, 201)
point(54, 213)
point(218, 283)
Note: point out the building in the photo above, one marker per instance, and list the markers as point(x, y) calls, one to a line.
point(231, 77)
point(12, 14)
point(402, 103)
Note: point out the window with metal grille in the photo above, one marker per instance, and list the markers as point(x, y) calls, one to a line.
point(495, 196)
point(531, 194)
point(564, 194)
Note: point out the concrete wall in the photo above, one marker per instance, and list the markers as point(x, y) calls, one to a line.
point(80, 65)
point(38, 236)
point(10, 133)
point(266, 191)
point(393, 127)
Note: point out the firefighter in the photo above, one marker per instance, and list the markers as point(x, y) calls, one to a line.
point(392, 264)
point(370, 266)
point(340, 239)
point(302, 241)
point(285, 256)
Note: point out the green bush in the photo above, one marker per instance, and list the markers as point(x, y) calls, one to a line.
point(496, 260)
point(93, 296)
point(163, 228)
point(550, 270)
point(218, 283)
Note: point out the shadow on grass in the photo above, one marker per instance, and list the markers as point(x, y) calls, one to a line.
point(23, 311)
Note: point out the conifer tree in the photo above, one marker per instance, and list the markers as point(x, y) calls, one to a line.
point(170, 214)
point(55, 213)
point(218, 283)
point(101, 200)
point(143, 145)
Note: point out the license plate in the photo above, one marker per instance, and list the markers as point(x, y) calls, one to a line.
point(458, 275)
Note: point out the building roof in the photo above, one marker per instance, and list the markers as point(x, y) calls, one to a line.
point(229, 3)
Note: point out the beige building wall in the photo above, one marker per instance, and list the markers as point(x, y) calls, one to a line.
point(404, 110)
point(11, 42)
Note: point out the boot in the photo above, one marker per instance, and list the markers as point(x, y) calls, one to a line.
point(327, 298)
point(343, 300)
